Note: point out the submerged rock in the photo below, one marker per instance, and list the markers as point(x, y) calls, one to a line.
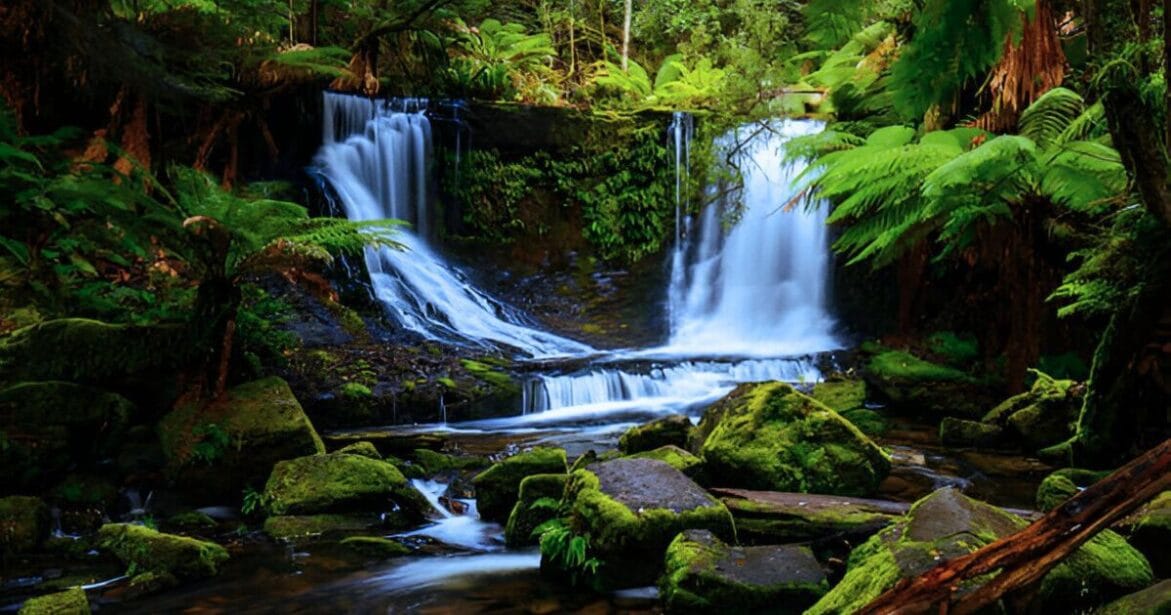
point(1149, 530)
point(340, 483)
point(62, 425)
point(704, 574)
point(769, 436)
point(947, 524)
point(539, 497)
point(24, 524)
point(632, 509)
point(496, 487)
point(219, 449)
point(69, 602)
point(670, 430)
point(147, 550)
point(771, 517)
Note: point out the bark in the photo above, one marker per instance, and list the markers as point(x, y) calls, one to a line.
point(1025, 557)
point(628, 9)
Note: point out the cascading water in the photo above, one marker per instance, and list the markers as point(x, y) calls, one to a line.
point(375, 158)
point(758, 289)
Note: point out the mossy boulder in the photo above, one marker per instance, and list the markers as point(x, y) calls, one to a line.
point(1154, 600)
point(337, 483)
point(300, 527)
point(24, 524)
point(1149, 530)
point(768, 517)
point(192, 521)
point(60, 425)
point(147, 550)
point(98, 353)
point(1064, 484)
point(769, 436)
point(1041, 417)
point(69, 602)
point(675, 457)
point(914, 386)
point(841, 394)
point(670, 430)
point(496, 487)
point(869, 422)
point(963, 432)
point(376, 546)
point(149, 583)
point(947, 524)
point(632, 509)
point(706, 575)
point(362, 449)
point(215, 451)
point(434, 463)
point(527, 514)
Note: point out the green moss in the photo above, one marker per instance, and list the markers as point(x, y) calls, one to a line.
point(527, 514)
point(867, 421)
point(339, 483)
point(192, 520)
point(952, 348)
point(363, 449)
point(1104, 568)
point(962, 432)
point(377, 547)
point(497, 487)
point(294, 527)
point(24, 523)
point(769, 436)
point(355, 390)
point(69, 602)
point(1154, 600)
point(1063, 484)
point(434, 463)
point(82, 490)
point(150, 583)
point(673, 456)
point(146, 550)
point(899, 365)
point(485, 372)
point(669, 430)
point(447, 382)
point(840, 395)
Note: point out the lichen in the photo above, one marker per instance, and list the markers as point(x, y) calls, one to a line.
point(145, 550)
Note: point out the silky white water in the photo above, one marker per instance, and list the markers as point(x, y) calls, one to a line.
point(375, 158)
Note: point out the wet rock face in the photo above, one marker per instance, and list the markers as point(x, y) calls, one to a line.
point(704, 574)
point(769, 436)
point(947, 524)
point(671, 430)
point(497, 487)
point(632, 509)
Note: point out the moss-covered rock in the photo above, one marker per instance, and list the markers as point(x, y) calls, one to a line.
point(363, 449)
point(1154, 600)
point(24, 524)
point(68, 602)
point(840, 395)
point(217, 450)
point(61, 426)
point(769, 436)
point(496, 487)
point(675, 457)
point(98, 353)
point(527, 514)
point(299, 527)
point(376, 546)
point(434, 463)
point(1064, 484)
point(147, 550)
point(705, 575)
point(915, 386)
point(1041, 417)
point(766, 517)
point(192, 521)
point(947, 524)
point(1149, 530)
point(149, 583)
point(340, 483)
point(962, 432)
point(670, 430)
point(632, 509)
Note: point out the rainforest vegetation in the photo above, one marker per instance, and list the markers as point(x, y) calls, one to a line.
point(211, 350)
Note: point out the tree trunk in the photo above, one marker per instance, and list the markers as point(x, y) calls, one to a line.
point(628, 9)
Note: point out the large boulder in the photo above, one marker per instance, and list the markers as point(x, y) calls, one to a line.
point(50, 427)
point(340, 483)
point(24, 524)
point(914, 386)
point(496, 487)
point(769, 517)
point(539, 496)
point(947, 524)
point(69, 602)
point(1042, 416)
point(631, 509)
point(675, 457)
point(957, 432)
point(1149, 530)
point(147, 550)
point(217, 450)
point(670, 430)
point(706, 575)
point(769, 436)
point(1154, 600)
point(1064, 484)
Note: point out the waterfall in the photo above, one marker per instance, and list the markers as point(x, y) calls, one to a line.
point(679, 135)
point(375, 158)
point(758, 288)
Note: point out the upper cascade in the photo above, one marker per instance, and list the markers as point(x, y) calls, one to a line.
point(375, 157)
point(759, 287)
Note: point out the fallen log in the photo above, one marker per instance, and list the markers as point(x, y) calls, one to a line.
point(1024, 558)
